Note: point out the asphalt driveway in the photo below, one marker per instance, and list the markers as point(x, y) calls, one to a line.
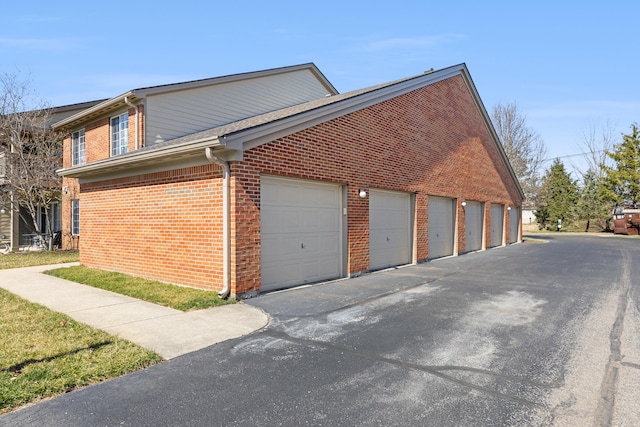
point(529, 334)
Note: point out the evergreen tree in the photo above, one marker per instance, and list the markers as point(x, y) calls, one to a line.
point(592, 205)
point(622, 180)
point(558, 197)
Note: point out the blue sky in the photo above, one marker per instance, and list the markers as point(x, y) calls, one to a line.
point(568, 65)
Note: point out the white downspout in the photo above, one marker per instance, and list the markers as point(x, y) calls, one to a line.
point(132, 105)
point(226, 223)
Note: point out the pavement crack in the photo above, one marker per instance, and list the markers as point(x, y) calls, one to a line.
point(438, 371)
point(630, 365)
point(604, 412)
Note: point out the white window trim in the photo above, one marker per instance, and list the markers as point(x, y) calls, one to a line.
point(78, 148)
point(75, 217)
point(120, 146)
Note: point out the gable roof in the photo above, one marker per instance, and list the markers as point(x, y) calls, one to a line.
point(135, 95)
point(60, 113)
point(229, 141)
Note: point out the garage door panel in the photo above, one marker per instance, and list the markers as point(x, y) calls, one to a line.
point(441, 226)
point(514, 224)
point(278, 220)
point(319, 269)
point(389, 229)
point(497, 224)
point(318, 219)
point(283, 220)
point(286, 272)
point(393, 219)
point(279, 248)
point(301, 237)
point(318, 196)
point(473, 226)
point(380, 258)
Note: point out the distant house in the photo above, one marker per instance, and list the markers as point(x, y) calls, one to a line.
point(529, 216)
point(15, 232)
point(264, 180)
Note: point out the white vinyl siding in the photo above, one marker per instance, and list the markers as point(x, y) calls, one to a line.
point(497, 224)
point(5, 223)
point(514, 224)
point(474, 220)
point(301, 232)
point(78, 148)
point(389, 229)
point(179, 113)
point(119, 134)
point(75, 217)
point(441, 228)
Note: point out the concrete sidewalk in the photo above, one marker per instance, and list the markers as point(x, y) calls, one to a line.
point(168, 332)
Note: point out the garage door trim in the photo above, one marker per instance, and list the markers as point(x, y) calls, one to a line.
point(441, 229)
point(302, 232)
point(394, 219)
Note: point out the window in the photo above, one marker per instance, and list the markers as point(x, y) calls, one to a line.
point(75, 217)
point(77, 148)
point(119, 134)
point(54, 217)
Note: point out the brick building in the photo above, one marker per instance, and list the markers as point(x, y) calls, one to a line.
point(265, 180)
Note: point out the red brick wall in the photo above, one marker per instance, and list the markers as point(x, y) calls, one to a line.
point(97, 147)
point(69, 241)
point(430, 141)
point(167, 226)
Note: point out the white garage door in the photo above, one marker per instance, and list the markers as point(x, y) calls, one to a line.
point(497, 224)
point(474, 220)
point(441, 226)
point(514, 224)
point(389, 229)
point(301, 232)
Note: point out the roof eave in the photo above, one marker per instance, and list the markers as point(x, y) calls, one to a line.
point(142, 158)
point(136, 95)
point(97, 110)
point(492, 131)
point(255, 136)
point(252, 137)
point(232, 144)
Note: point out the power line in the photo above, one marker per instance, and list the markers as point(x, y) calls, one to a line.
point(572, 155)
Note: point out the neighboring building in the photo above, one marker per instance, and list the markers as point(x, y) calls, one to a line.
point(15, 232)
point(271, 179)
point(529, 216)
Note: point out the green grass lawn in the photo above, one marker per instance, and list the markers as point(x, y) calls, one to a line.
point(178, 297)
point(44, 353)
point(173, 296)
point(30, 259)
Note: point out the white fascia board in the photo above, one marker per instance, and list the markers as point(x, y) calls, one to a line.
point(194, 84)
point(492, 131)
point(195, 159)
point(138, 159)
point(95, 111)
point(137, 95)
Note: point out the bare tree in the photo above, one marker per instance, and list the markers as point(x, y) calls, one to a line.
point(31, 152)
point(525, 149)
point(597, 140)
point(593, 207)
